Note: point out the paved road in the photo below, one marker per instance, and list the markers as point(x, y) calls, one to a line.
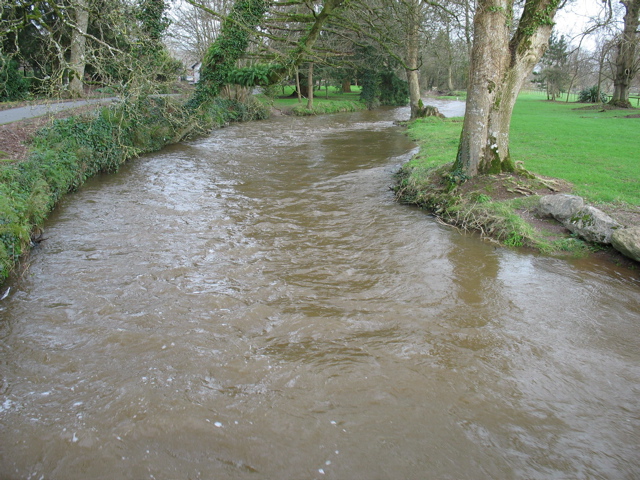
point(16, 114)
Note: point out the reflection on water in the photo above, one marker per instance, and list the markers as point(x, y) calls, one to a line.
point(255, 305)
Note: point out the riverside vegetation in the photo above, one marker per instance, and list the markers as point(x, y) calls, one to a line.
point(593, 149)
point(69, 150)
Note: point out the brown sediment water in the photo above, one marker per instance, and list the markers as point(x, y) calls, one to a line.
point(255, 305)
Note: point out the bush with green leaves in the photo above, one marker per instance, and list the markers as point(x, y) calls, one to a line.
point(13, 85)
point(258, 75)
point(383, 88)
point(590, 95)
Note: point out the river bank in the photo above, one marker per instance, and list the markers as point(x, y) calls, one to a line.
point(43, 159)
point(504, 208)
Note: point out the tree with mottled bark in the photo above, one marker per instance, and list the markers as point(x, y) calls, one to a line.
point(77, 60)
point(500, 63)
point(627, 62)
point(310, 86)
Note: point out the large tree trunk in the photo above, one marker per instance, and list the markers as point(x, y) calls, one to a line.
point(626, 62)
point(499, 67)
point(449, 60)
point(78, 47)
point(298, 91)
point(414, 92)
point(310, 87)
point(346, 85)
point(601, 61)
point(413, 53)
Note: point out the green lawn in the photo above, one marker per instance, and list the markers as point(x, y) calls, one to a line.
point(285, 100)
point(598, 151)
point(331, 100)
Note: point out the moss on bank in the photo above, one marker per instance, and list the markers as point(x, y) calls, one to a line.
point(71, 150)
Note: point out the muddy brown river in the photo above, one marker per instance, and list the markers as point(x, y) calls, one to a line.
point(255, 305)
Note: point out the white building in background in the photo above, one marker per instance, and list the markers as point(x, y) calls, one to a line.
point(194, 73)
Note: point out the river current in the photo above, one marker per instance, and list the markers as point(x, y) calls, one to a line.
point(255, 305)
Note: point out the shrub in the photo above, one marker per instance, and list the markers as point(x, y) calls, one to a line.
point(328, 107)
point(383, 88)
point(590, 95)
point(13, 85)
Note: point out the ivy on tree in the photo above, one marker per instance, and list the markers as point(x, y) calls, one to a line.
point(221, 57)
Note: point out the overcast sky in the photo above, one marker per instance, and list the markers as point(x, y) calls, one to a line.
point(574, 18)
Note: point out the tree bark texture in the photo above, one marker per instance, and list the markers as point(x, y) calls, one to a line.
point(310, 87)
point(298, 92)
point(626, 60)
point(413, 54)
point(500, 63)
point(77, 59)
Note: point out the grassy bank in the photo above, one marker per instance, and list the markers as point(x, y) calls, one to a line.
point(70, 150)
point(325, 100)
point(592, 148)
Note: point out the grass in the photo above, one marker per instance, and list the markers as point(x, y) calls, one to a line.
point(596, 150)
point(455, 95)
point(321, 108)
point(438, 138)
point(331, 100)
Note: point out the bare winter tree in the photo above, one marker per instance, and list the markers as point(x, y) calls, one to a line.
point(193, 29)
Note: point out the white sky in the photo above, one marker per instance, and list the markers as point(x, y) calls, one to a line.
point(575, 17)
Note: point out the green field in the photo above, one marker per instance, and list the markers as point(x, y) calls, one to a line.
point(597, 150)
point(331, 100)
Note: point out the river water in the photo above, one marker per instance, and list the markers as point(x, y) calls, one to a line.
point(255, 305)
